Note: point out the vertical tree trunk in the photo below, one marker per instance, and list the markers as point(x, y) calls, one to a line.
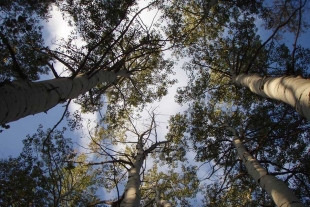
point(132, 189)
point(277, 189)
point(294, 91)
point(20, 98)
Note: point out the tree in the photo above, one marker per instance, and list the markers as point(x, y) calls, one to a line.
point(171, 188)
point(44, 174)
point(190, 22)
point(217, 59)
point(123, 153)
point(124, 45)
point(277, 189)
point(291, 90)
point(20, 183)
point(24, 98)
point(20, 34)
point(265, 134)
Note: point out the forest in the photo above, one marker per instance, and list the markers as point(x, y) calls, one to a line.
point(233, 77)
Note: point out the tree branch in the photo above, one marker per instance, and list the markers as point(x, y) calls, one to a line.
point(16, 67)
point(274, 33)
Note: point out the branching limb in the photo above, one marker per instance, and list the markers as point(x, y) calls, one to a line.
point(56, 125)
point(50, 53)
point(273, 34)
point(296, 38)
point(53, 69)
point(16, 67)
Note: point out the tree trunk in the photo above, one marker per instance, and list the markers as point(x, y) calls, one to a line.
point(163, 203)
point(132, 189)
point(21, 98)
point(294, 91)
point(277, 189)
point(160, 202)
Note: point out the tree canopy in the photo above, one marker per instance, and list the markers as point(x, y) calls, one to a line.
point(233, 139)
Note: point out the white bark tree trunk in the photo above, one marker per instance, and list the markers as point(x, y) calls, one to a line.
point(294, 91)
point(163, 203)
point(277, 189)
point(160, 202)
point(132, 189)
point(19, 98)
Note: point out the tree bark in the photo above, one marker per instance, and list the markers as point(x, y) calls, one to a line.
point(132, 189)
point(277, 189)
point(160, 202)
point(163, 203)
point(294, 91)
point(20, 98)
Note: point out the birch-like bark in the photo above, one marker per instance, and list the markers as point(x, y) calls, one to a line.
point(132, 189)
point(132, 193)
point(294, 91)
point(281, 194)
point(163, 203)
point(160, 202)
point(20, 98)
